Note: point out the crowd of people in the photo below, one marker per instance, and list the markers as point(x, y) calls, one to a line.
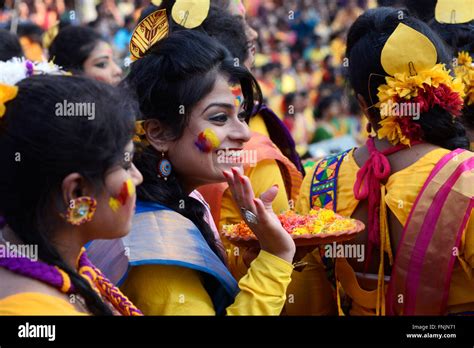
point(133, 132)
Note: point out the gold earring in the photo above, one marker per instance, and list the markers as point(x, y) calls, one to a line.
point(81, 210)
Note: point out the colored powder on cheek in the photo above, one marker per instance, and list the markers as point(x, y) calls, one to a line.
point(128, 189)
point(207, 140)
point(237, 92)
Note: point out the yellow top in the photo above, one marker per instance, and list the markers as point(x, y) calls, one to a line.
point(35, 303)
point(402, 189)
point(174, 290)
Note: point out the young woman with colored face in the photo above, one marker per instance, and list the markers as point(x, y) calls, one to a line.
point(277, 162)
point(66, 179)
point(195, 105)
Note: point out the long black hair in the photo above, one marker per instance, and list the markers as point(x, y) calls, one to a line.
point(460, 37)
point(38, 149)
point(178, 72)
point(365, 42)
point(72, 46)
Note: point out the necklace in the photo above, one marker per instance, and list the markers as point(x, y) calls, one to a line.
point(56, 277)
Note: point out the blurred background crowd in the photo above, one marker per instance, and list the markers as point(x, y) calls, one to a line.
point(299, 54)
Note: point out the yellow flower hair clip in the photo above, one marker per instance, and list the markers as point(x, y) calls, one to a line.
point(416, 83)
point(465, 71)
point(7, 93)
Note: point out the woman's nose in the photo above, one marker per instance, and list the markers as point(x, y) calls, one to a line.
point(137, 177)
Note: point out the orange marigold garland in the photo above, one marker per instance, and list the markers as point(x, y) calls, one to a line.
point(465, 71)
point(427, 89)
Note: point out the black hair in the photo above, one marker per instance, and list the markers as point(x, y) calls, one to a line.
point(324, 104)
point(50, 148)
point(366, 39)
point(72, 46)
point(31, 31)
point(460, 37)
point(227, 29)
point(9, 46)
point(423, 9)
point(178, 72)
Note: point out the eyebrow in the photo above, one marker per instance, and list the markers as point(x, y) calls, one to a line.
point(99, 58)
point(222, 105)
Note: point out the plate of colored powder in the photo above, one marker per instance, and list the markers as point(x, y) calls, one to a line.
point(320, 226)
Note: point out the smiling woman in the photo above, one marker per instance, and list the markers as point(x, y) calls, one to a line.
point(195, 103)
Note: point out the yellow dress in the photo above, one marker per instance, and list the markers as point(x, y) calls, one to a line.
point(174, 290)
point(402, 189)
point(35, 303)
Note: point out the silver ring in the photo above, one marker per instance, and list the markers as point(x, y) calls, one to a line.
point(249, 217)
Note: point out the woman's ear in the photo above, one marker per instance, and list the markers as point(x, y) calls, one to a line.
point(365, 109)
point(74, 186)
point(156, 135)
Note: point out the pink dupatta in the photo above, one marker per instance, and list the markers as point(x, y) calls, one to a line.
point(421, 275)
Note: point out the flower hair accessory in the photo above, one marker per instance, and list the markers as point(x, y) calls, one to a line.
point(417, 82)
point(465, 71)
point(17, 69)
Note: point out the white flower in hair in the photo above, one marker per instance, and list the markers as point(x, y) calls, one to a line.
point(17, 69)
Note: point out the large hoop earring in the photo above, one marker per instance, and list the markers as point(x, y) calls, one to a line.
point(81, 210)
point(164, 167)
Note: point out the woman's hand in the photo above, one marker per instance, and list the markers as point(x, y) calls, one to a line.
point(270, 233)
